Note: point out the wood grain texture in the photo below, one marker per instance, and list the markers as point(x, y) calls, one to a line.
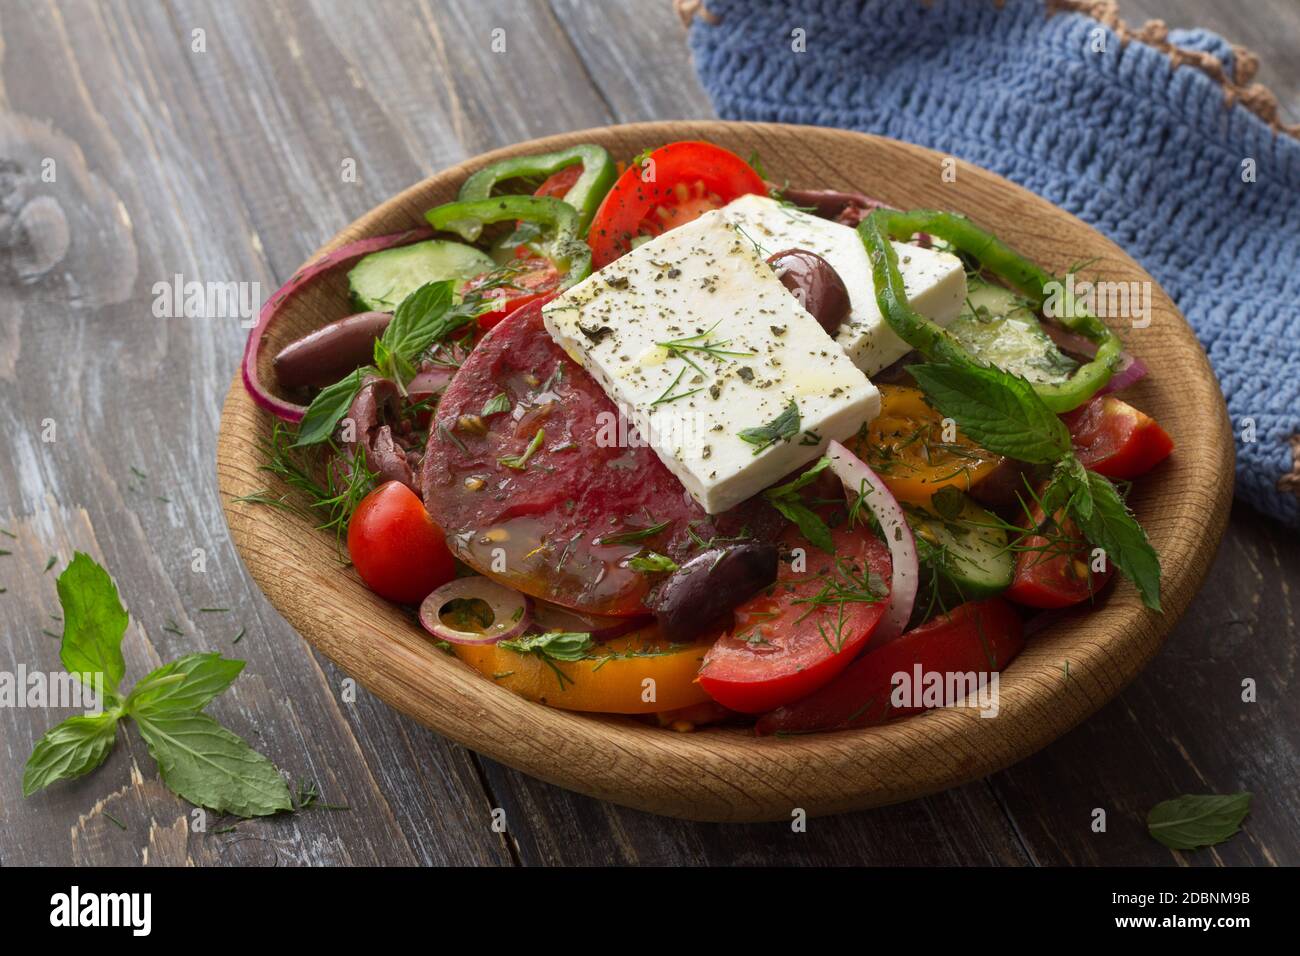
point(225, 166)
point(726, 774)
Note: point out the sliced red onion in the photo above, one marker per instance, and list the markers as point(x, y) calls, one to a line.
point(552, 617)
point(857, 477)
point(344, 255)
point(1071, 342)
point(511, 611)
point(1131, 369)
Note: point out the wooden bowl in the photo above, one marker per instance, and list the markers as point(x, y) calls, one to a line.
point(1066, 672)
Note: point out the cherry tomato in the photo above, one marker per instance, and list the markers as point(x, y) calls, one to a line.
point(806, 628)
point(395, 546)
point(977, 637)
point(1114, 439)
point(689, 179)
point(1054, 565)
point(558, 184)
point(907, 447)
point(537, 276)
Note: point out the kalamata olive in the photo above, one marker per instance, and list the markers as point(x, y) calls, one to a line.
point(324, 356)
point(703, 590)
point(815, 283)
point(849, 208)
point(366, 428)
point(1005, 488)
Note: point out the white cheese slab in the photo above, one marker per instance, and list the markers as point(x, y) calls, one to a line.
point(744, 350)
point(935, 281)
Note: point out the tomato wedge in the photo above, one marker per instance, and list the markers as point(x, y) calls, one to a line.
point(558, 184)
point(977, 637)
point(610, 681)
point(673, 185)
point(536, 277)
point(1114, 439)
point(908, 447)
point(1054, 565)
point(805, 628)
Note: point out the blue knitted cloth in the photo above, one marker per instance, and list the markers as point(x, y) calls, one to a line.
point(1025, 95)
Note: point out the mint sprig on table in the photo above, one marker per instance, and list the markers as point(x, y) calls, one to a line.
point(1002, 413)
point(199, 759)
point(1197, 820)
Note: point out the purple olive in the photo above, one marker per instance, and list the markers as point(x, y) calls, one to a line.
point(369, 425)
point(700, 592)
point(815, 283)
point(849, 208)
point(323, 357)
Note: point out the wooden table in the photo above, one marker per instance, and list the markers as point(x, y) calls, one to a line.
point(227, 163)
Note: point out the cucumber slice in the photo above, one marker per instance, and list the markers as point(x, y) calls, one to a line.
point(381, 280)
point(963, 547)
point(999, 327)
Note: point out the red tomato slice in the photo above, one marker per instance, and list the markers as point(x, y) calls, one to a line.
point(1114, 439)
point(558, 184)
point(804, 629)
point(551, 496)
point(395, 546)
point(1054, 568)
point(689, 179)
point(537, 277)
point(977, 637)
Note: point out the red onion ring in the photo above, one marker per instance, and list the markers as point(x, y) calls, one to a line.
point(344, 255)
point(511, 611)
point(1129, 370)
point(856, 476)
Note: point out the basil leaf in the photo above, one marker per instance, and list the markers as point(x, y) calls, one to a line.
point(811, 526)
point(1109, 525)
point(558, 645)
point(998, 411)
point(70, 749)
point(94, 622)
point(187, 683)
point(211, 767)
point(1197, 820)
point(782, 428)
point(328, 408)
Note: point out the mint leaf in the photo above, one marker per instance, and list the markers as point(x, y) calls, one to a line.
point(996, 410)
point(187, 683)
point(785, 499)
point(94, 622)
point(70, 749)
point(1197, 820)
point(807, 478)
point(1109, 525)
point(210, 767)
point(328, 408)
point(558, 645)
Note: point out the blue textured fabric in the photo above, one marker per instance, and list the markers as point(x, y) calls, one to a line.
point(1147, 154)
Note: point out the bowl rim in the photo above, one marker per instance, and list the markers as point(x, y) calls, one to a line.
point(729, 774)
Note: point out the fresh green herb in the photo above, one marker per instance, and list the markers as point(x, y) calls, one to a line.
point(782, 428)
point(948, 502)
point(198, 758)
point(171, 627)
point(996, 410)
point(424, 317)
point(557, 645)
point(48, 633)
point(8, 534)
point(668, 393)
point(1110, 526)
point(50, 563)
point(328, 408)
point(701, 344)
point(4, 553)
point(786, 499)
point(240, 636)
point(651, 562)
point(116, 822)
point(307, 797)
point(496, 404)
point(633, 536)
point(213, 610)
point(1192, 821)
point(520, 462)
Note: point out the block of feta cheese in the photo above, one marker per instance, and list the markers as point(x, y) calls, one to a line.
point(728, 378)
point(935, 281)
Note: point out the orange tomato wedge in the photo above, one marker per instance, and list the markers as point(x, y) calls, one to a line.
point(612, 681)
point(914, 454)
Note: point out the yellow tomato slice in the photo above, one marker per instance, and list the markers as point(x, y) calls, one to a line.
point(906, 447)
point(612, 681)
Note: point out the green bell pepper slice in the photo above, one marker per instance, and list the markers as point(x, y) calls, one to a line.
point(934, 341)
point(560, 221)
point(585, 195)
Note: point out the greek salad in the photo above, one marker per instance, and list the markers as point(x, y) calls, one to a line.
point(665, 437)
